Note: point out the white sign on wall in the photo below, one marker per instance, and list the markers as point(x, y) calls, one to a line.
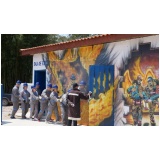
point(38, 62)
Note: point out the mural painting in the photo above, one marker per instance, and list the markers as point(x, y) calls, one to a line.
point(132, 96)
point(141, 87)
point(72, 65)
point(133, 58)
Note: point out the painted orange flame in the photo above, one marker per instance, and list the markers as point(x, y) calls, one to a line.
point(101, 108)
point(87, 56)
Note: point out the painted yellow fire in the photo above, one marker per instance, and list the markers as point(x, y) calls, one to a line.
point(89, 54)
point(84, 113)
point(96, 110)
point(101, 108)
point(134, 72)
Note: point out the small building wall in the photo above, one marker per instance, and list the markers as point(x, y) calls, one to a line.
point(130, 58)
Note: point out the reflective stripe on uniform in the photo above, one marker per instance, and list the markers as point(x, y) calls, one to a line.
point(74, 119)
point(73, 94)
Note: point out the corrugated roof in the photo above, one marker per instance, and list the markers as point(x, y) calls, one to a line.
point(97, 39)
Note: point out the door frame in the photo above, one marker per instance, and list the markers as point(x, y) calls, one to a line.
point(34, 75)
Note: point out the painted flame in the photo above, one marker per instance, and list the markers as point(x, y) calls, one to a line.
point(101, 108)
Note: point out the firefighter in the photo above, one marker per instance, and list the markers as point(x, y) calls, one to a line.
point(82, 87)
point(151, 90)
point(64, 108)
point(73, 102)
point(24, 97)
point(37, 87)
point(52, 106)
point(34, 103)
point(39, 93)
point(15, 99)
point(138, 95)
point(44, 99)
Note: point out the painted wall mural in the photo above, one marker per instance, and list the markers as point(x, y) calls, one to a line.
point(132, 99)
point(141, 86)
point(72, 65)
point(131, 57)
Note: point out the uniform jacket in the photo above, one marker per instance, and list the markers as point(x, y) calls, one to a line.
point(135, 95)
point(152, 92)
point(84, 90)
point(73, 98)
point(24, 95)
point(39, 91)
point(64, 96)
point(53, 98)
point(34, 98)
point(15, 94)
point(45, 96)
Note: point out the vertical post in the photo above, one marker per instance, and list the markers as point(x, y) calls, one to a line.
point(1, 101)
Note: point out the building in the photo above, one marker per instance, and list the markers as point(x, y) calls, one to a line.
point(107, 63)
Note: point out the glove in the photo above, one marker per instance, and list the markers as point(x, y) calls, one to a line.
point(24, 101)
point(60, 100)
point(72, 104)
point(40, 97)
point(59, 97)
point(37, 98)
point(49, 98)
point(90, 93)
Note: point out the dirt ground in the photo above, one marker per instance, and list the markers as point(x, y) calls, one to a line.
point(7, 110)
point(6, 113)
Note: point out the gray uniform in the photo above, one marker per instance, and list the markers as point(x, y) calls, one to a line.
point(83, 90)
point(44, 102)
point(34, 104)
point(39, 93)
point(15, 100)
point(52, 106)
point(24, 97)
point(64, 109)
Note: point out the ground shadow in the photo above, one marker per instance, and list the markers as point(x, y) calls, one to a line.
point(5, 122)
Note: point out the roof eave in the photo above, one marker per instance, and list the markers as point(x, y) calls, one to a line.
point(81, 43)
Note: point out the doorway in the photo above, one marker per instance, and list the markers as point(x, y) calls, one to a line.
point(40, 76)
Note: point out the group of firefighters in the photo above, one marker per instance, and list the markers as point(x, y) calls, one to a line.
point(144, 97)
point(46, 102)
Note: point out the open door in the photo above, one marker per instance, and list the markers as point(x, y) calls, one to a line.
point(40, 76)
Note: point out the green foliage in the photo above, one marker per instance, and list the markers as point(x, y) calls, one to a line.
point(14, 66)
point(78, 36)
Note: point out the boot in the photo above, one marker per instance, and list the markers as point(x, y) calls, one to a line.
point(139, 123)
point(153, 124)
point(135, 123)
point(12, 117)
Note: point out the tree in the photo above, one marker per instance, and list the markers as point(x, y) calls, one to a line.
point(78, 36)
point(16, 67)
